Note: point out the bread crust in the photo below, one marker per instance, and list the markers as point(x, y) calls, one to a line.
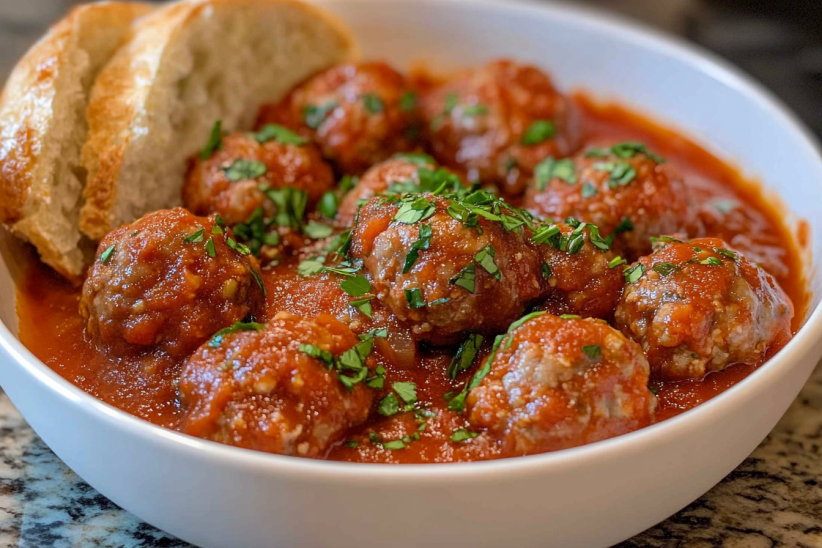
point(119, 109)
point(27, 128)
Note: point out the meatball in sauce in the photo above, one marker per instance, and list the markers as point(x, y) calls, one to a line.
point(698, 306)
point(495, 123)
point(358, 114)
point(168, 281)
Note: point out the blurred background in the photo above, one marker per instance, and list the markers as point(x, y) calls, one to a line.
point(779, 42)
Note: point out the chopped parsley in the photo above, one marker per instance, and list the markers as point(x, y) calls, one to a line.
point(394, 445)
point(244, 170)
point(465, 279)
point(389, 405)
point(485, 258)
point(711, 261)
point(550, 168)
point(465, 356)
point(291, 204)
point(462, 434)
point(259, 279)
point(317, 231)
point(217, 338)
point(727, 253)
point(621, 173)
point(214, 141)
point(373, 103)
point(665, 269)
point(407, 391)
point(593, 351)
point(408, 101)
point(329, 204)
point(625, 150)
point(238, 247)
point(417, 158)
point(414, 209)
point(356, 286)
point(423, 242)
point(414, 298)
point(449, 104)
point(570, 317)
point(316, 352)
point(588, 190)
point(314, 115)
point(196, 237)
point(210, 248)
point(280, 134)
point(474, 110)
point(634, 273)
point(616, 261)
point(363, 305)
point(545, 269)
point(538, 131)
point(105, 256)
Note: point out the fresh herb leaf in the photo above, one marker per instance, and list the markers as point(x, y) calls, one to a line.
point(317, 231)
point(279, 133)
point(373, 103)
point(389, 405)
point(588, 190)
point(621, 173)
point(711, 261)
point(549, 168)
point(414, 298)
point(356, 286)
point(727, 253)
point(214, 141)
point(465, 279)
point(423, 242)
point(196, 237)
point(363, 305)
point(570, 317)
point(634, 273)
point(242, 170)
point(465, 356)
point(593, 351)
point(310, 267)
point(352, 444)
point(259, 279)
point(316, 352)
point(665, 269)
point(314, 115)
point(539, 131)
point(217, 338)
point(417, 158)
point(105, 256)
point(414, 210)
point(329, 204)
point(485, 258)
point(210, 248)
point(408, 101)
point(238, 247)
point(291, 204)
point(545, 269)
point(407, 391)
point(462, 434)
point(394, 445)
point(616, 261)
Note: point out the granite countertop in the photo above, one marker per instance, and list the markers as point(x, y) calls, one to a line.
point(774, 498)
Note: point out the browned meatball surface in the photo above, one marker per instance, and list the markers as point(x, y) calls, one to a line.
point(403, 173)
point(582, 277)
point(444, 269)
point(169, 280)
point(698, 306)
point(358, 114)
point(497, 122)
point(622, 188)
point(231, 180)
point(262, 388)
point(556, 383)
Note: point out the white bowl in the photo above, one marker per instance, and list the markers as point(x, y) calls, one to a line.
point(219, 496)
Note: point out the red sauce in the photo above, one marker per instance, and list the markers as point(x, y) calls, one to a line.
point(733, 208)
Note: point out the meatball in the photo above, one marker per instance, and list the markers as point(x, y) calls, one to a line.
point(497, 122)
point(418, 171)
point(623, 188)
point(261, 388)
point(698, 306)
point(168, 281)
point(358, 114)
point(443, 269)
point(556, 383)
point(582, 277)
point(231, 181)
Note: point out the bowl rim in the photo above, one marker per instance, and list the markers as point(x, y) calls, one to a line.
point(803, 344)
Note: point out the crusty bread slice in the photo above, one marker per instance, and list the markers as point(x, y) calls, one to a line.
point(43, 127)
point(186, 66)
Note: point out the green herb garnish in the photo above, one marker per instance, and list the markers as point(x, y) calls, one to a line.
point(279, 133)
point(214, 141)
point(539, 131)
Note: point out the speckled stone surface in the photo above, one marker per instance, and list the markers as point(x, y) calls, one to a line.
point(774, 499)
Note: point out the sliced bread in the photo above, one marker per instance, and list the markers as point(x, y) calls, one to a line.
point(186, 66)
point(43, 127)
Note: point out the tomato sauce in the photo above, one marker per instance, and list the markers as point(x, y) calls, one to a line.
point(732, 208)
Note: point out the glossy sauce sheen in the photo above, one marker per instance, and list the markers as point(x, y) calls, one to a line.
point(52, 329)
